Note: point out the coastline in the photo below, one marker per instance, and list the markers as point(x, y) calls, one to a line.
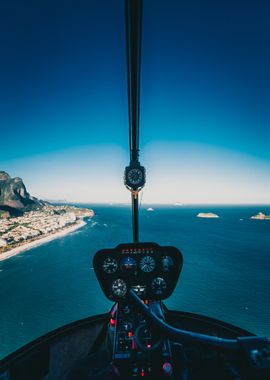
point(42, 240)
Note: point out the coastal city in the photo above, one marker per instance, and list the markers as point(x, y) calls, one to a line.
point(34, 225)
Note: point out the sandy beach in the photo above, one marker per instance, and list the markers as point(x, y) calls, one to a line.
point(42, 240)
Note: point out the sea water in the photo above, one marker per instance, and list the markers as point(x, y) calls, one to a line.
point(226, 272)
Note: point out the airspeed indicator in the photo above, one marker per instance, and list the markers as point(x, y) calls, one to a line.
point(110, 265)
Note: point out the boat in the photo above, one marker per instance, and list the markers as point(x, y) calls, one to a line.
point(140, 337)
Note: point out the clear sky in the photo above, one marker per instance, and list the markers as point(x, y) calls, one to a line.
point(205, 115)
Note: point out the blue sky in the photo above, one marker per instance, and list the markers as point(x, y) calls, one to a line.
point(205, 111)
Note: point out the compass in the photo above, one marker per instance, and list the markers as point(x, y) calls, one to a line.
point(134, 176)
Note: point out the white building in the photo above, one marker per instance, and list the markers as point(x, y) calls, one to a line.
point(3, 242)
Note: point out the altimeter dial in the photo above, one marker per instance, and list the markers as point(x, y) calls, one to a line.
point(147, 264)
point(119, 288)
point(109, 265)
point(158, 286)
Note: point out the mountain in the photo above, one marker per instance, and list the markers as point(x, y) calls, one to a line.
point(14, 197)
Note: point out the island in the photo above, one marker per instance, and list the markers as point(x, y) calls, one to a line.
point(207, 215)
point(260, 216)
point(26, 221)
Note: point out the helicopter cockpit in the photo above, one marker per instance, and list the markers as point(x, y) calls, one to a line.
point(140, 337)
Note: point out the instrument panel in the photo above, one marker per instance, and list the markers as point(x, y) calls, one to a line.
point(149, 269)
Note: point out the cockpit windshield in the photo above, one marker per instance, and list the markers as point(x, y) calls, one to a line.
point(64, 146)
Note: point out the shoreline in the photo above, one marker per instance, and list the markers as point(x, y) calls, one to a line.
point(42, 240)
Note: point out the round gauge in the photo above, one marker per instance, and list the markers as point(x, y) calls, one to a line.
point(109, 265)
point(119, 288)
point(135, 176)
point(166, 263)
point(158, 286)
point(128, 265)
point(147, 264)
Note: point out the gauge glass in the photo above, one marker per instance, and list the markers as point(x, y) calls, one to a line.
point(166, 263)
point(147, 264)
point(109, 265)
point(158, 286)
point(135, 176)
point(128, 265)
point(119, 288)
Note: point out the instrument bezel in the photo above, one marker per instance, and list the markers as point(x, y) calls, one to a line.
point(139, 278)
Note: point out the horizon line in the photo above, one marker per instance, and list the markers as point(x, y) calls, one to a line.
point(157, 203)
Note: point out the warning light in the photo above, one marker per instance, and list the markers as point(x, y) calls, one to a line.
point(130, 334)
point(112, 322)
point(148, 345)
point(142, 373)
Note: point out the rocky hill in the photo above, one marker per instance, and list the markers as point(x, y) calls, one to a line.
point(14, 197)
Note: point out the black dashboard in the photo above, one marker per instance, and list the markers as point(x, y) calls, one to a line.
point(150, 270)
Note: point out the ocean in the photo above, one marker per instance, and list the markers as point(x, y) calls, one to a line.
point(226, 272)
